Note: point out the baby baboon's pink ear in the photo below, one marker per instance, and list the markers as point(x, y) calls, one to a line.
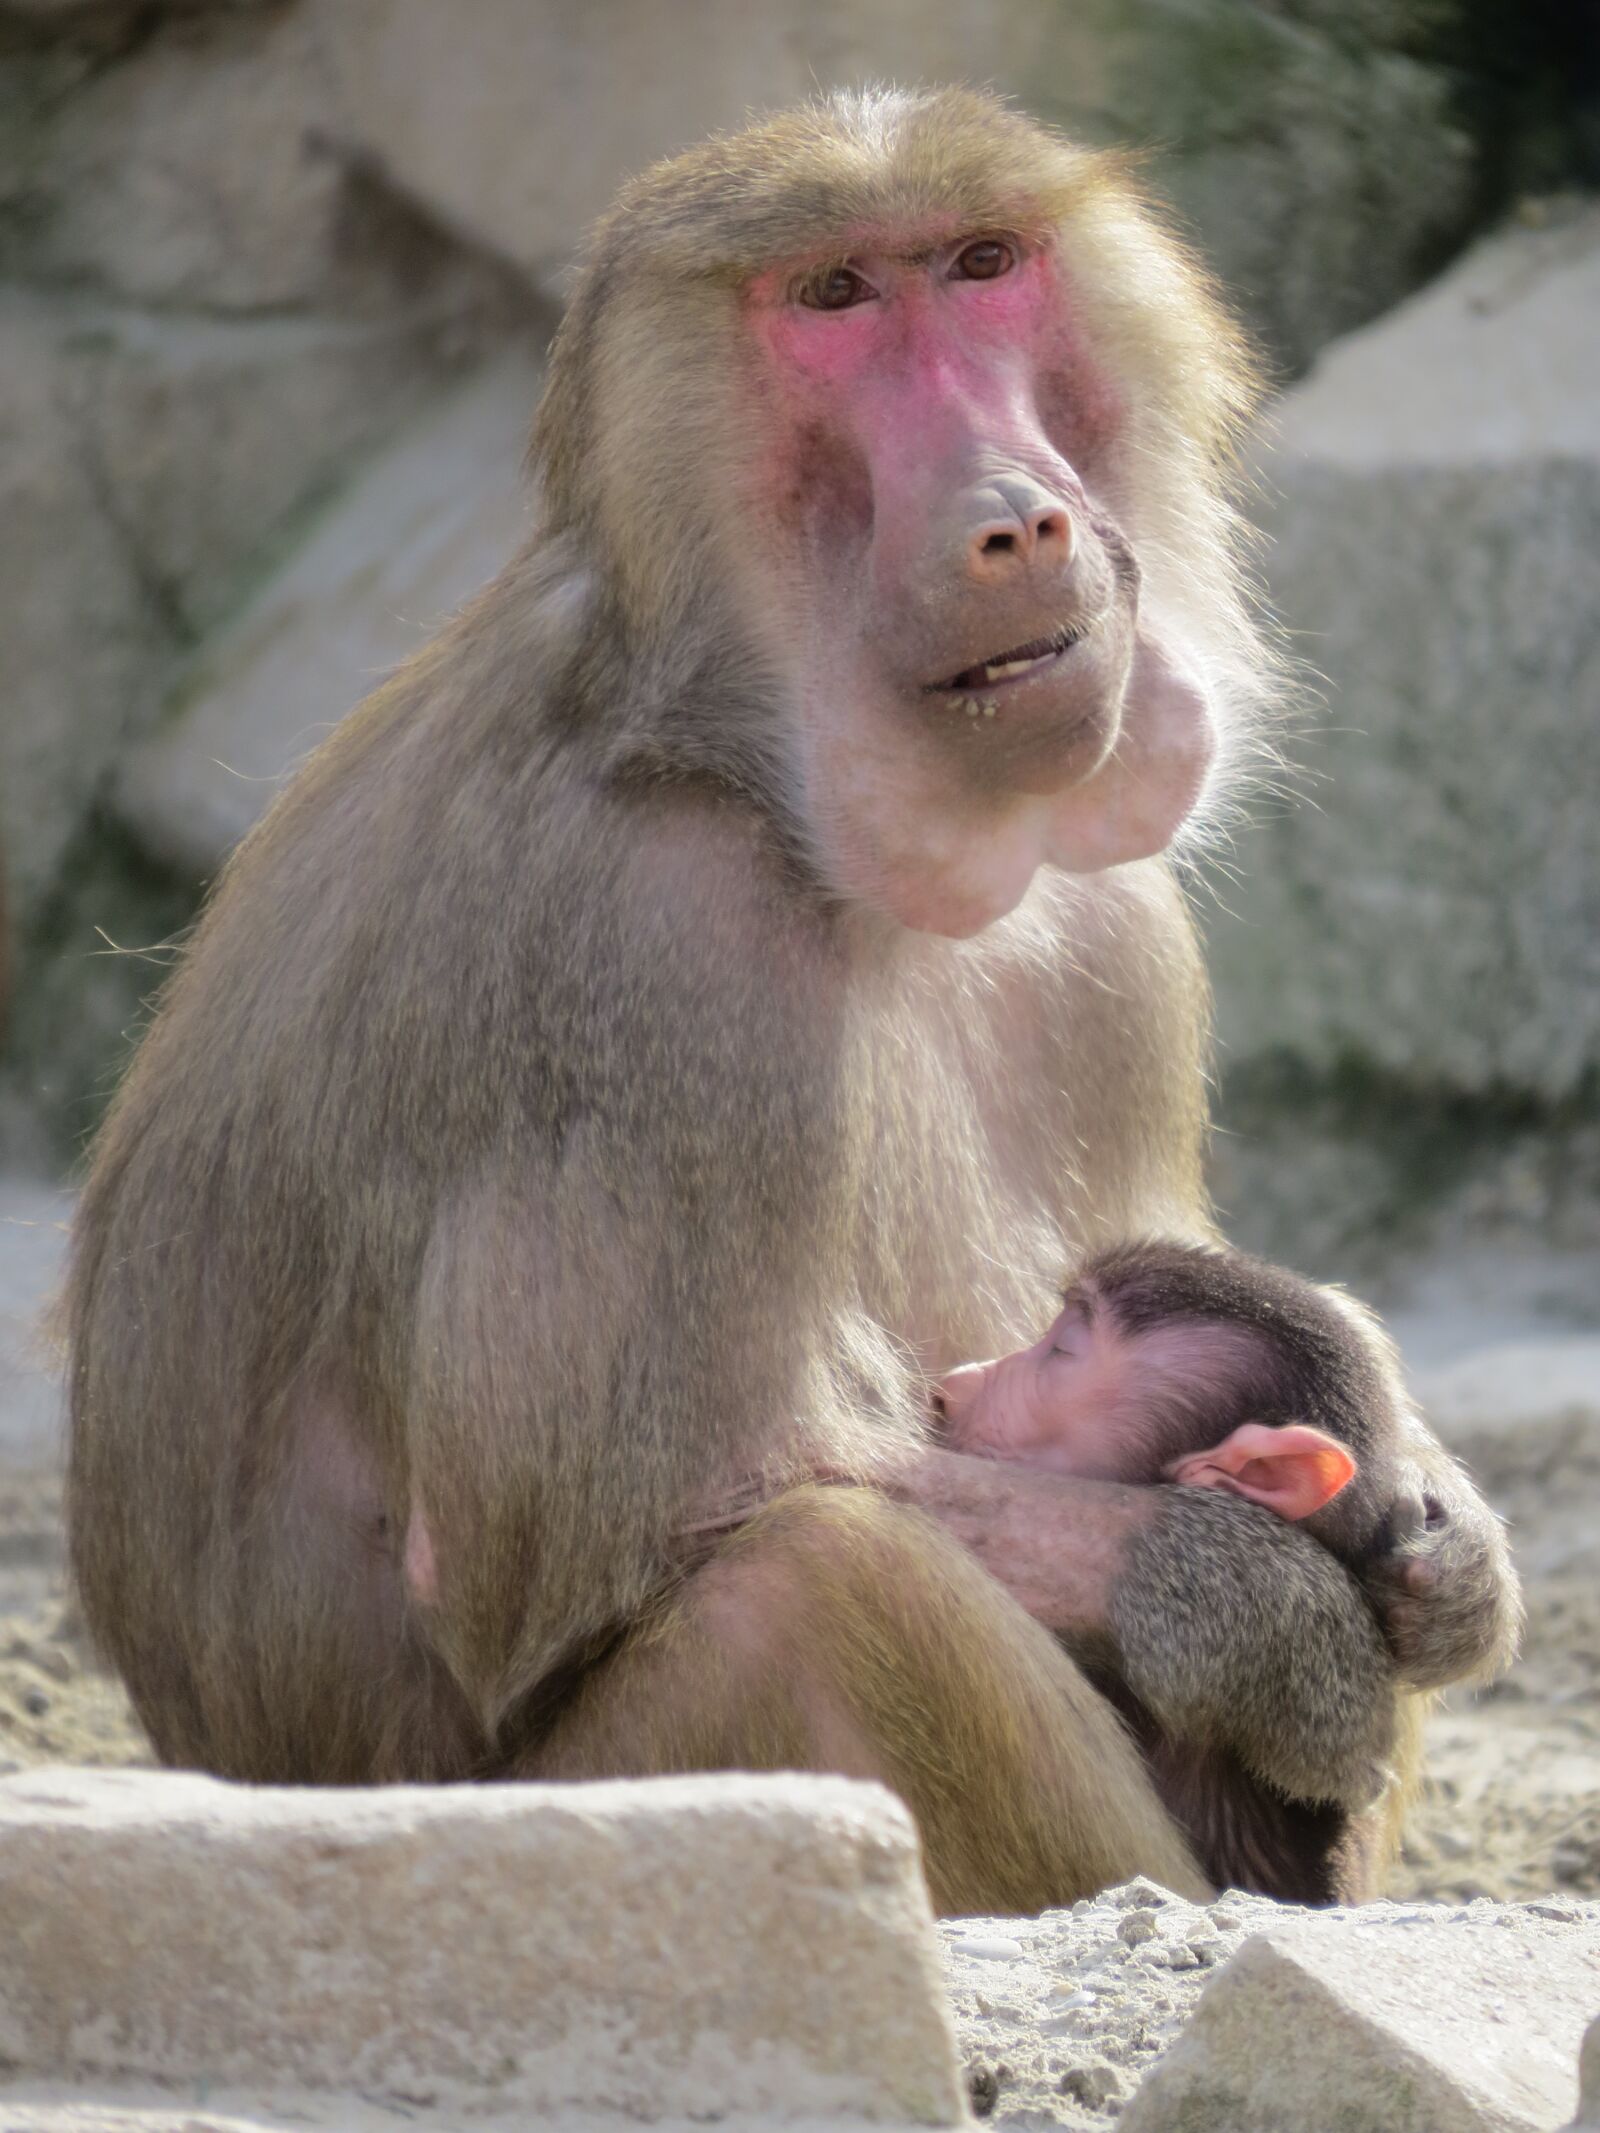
point(1293, 1470)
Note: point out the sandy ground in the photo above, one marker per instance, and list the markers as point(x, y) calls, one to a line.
point(1512, 1804)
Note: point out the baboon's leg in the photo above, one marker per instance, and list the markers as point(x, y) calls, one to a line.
point(838, 1631)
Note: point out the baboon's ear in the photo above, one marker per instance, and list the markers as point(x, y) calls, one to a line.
point(1293, 1470)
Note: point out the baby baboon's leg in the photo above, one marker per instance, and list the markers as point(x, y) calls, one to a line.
point(838, 1631)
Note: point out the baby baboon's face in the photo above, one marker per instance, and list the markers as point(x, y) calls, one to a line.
point(1076, 1401)
point(1091, 1399)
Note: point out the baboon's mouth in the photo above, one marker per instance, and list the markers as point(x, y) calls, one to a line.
point(1013, 665)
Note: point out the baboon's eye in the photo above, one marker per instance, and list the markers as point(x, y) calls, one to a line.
point(985, 259)
point(833, 289)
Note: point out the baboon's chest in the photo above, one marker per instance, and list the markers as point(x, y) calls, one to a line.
point(976, 1178)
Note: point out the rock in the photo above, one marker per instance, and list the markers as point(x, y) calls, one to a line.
point(1319, 168)
point(421, 528)
point(82, 641)
point(1513, 1386)
point(1437, 525)
point(1324, 167)
point(98, 946)
point(1079, 2000)
point(743, 1947)
point(1401, 2025)
point(989, 1948)
point(1589, 2080)
point(199, 173)
point(189, 174)
point(168, 458)
point(211, 439)
point(1094, 2086)
point(514, 123)
point(161, 455)
point(33, 1243)
point(122, 14)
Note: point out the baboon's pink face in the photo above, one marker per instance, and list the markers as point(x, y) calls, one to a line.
point(958, 607)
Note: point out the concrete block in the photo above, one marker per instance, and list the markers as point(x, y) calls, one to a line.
point(740, 1947)
point(1403, 2025)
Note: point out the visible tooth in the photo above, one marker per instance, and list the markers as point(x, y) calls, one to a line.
point(973, 706)
point(989, 710)
point(1008, 667)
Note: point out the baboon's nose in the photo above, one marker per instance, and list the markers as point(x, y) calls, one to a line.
point(1020, 527)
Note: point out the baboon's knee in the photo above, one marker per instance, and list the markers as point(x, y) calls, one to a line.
point(1027, 1790)
point(818, 1542)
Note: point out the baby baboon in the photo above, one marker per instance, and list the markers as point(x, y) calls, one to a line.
point(627, 1055)
point(1209, 1369)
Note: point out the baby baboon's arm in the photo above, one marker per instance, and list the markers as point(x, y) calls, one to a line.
point(1228, 1625)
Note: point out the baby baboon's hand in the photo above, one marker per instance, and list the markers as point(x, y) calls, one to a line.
point(1442, 1584)
point(1236, 1629)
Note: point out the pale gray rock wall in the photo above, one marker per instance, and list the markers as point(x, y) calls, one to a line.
point(414, 535)
point(1324, 169)
point(210, 317)
point(81, 638)
point(1433, 498)
point(151, 464)
point(191, 175)
point(33, 1245)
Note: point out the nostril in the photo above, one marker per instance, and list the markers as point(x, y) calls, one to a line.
point(1024, 537)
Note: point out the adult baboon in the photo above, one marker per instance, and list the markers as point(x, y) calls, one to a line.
point(727, 974)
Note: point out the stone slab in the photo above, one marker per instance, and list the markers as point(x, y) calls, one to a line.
point(745, 1947)
point(1411, 2025)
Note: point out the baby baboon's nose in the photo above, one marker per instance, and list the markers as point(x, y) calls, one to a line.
point(955, 1395)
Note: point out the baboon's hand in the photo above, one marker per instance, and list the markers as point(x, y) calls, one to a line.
point(1442, 1583)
